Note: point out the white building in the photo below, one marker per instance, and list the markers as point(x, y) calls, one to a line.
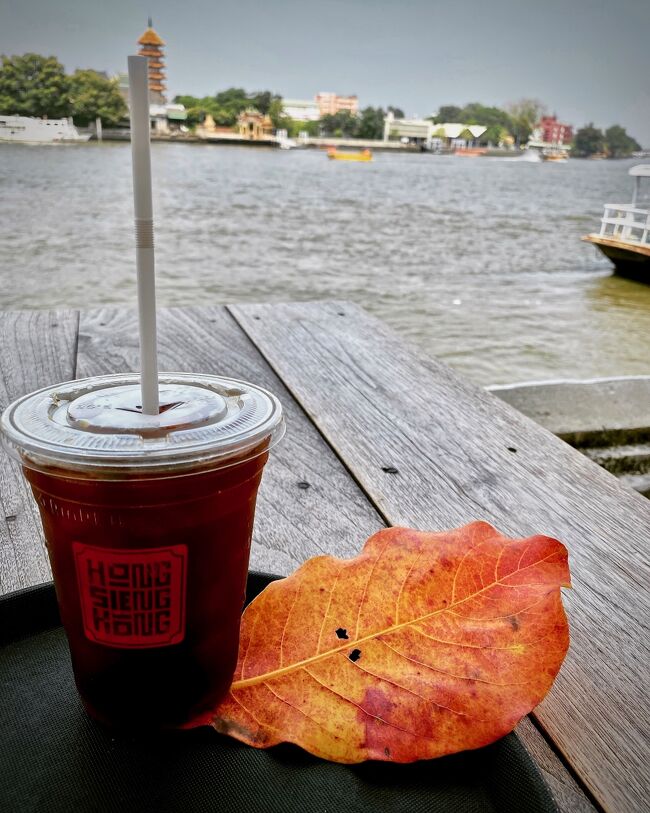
point(300, 110)
point(430, 135)
point(167, 118)
point(454, 134)
point(417, 131)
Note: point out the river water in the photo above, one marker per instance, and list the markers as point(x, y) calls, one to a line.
point(478, 261)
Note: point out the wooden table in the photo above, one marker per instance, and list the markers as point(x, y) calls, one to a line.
point(379, 435)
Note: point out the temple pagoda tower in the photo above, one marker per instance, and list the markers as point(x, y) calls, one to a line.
point(151, 46)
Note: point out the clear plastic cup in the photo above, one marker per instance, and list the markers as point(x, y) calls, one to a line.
point(148, 523)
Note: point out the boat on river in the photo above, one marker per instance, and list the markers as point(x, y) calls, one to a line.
point(26, 130)
point(558, 156)
point(624, 235)
point(336, 155)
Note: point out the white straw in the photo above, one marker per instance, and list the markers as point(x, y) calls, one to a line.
point(139, 93)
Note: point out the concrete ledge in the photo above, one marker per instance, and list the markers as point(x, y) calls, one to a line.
point(597, 412)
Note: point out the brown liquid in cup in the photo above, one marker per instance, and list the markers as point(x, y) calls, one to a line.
point(150, 576)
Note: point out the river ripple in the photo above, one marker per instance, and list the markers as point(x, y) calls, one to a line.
point(476, 261)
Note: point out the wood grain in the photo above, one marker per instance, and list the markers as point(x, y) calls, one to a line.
point(38, 348)
point(568, 795)
point(434, 451)
point(308, 504)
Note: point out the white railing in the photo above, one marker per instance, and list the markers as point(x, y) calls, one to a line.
point(623, 221)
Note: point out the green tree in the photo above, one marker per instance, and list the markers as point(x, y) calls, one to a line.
point(447, 113)
point(34, 85)
point(276, 114)
point(197, 109)
point(340, 125)
point(498, 122)
point(226, 105)
point(524, 115)
point(229, 103)
point(188, 101)
point(371, 123)
point(396, 111)
point(619, 143)
point(588, 140)
point(265, 100)
point(93, 95)
point(295, 127)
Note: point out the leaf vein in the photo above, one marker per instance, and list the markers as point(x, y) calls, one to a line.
point(238, 684)
point(415, 694)
point(449, 674)
point(366, 712)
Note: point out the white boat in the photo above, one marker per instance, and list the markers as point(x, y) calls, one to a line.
point(25, 130)
point(624, 235)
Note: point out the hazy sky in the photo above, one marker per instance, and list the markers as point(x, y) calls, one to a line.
point(588, 60)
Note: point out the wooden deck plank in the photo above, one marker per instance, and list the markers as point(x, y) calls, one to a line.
point(436, 451)
point(293, 522)
point(38, 347)
point(568, 795)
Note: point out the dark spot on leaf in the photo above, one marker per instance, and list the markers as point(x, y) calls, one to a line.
point(341, 633)
point(514, 622)
point(354, 655)
point(387, 751)
point(390, 469)
point(511, 449)
point(303, 484)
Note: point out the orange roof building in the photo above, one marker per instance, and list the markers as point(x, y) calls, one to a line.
point(151, 46)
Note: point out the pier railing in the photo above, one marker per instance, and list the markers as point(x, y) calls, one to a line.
point(624, 221)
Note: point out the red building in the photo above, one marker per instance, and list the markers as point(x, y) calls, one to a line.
point(554, 132)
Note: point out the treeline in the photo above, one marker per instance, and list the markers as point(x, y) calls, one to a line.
point(225, 106)
point(513, 124)
point(614, 142)
point(35, 85)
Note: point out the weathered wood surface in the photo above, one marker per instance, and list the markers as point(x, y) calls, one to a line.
point(38, 347)
point(434, 451)
point(568, 795)
point(293, 522)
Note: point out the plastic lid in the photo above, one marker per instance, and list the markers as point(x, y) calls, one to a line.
point(97, 424)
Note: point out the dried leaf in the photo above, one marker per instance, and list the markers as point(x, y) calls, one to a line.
point(423, 645)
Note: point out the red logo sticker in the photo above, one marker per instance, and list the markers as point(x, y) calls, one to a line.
point(132, 598)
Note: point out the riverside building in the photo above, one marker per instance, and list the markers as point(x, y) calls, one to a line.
point(300, 109)
point(426, 134)
point(553, 131)
point(329, 104)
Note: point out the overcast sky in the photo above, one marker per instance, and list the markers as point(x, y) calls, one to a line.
point(587, 60)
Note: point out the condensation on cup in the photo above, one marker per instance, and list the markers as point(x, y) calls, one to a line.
point(148, 522)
